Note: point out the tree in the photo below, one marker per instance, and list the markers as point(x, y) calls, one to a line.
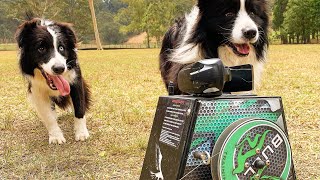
point(151, 16)
point(77, 12)
point(131, 17)
point(7, 25)
point(44, 9)
point(72, 11)
point(315, 13)
point(279, 9)
point(109, 28)
point(298, 20)
point(95, 26)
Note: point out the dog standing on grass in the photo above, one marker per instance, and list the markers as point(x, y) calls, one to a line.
point(48, 60)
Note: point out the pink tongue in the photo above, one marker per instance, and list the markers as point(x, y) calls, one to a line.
point(61, 84)
point(243, 48)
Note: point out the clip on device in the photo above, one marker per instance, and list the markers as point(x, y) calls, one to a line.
point(211, 134)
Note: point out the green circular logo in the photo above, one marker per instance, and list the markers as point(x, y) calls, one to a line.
point(252, 149)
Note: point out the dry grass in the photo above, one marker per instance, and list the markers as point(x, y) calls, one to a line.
point(293, 72)
point(8, 47)
point(126, 85)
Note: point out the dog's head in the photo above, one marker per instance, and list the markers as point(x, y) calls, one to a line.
point(239, 24)
point(48, 46)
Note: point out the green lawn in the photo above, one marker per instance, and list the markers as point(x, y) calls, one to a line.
point(125, 85)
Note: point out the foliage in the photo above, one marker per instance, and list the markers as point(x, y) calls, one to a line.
point(297, 20)
point(17, 9)
point(131, 17)
point(294, 21)
point(151, 16)
point(7, 25)
point(78, 13)
point(116, 19)
point(73, 11)
point(279, 8)
point(109, 28)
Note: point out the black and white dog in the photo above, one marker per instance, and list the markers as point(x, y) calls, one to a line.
point(48, 60)
point(233, 30)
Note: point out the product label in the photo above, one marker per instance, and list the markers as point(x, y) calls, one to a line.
point(173, 124)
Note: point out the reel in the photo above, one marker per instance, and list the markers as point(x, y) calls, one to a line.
point(250, 149)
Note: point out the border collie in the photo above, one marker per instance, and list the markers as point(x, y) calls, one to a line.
point(233, 30)
point(48, 60)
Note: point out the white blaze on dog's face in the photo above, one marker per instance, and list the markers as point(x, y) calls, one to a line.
point(244, 32)
point(57, 63)
point(245, 29)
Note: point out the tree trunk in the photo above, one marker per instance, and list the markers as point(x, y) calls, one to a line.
point(95, 26)
point(148, 39)
point(285, 39)
point(313, 35)
point(158, 42)
point(290, 39)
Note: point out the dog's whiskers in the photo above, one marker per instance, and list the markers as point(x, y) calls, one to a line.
point(224, 28)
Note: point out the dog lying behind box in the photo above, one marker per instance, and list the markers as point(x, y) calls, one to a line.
point(233, 30)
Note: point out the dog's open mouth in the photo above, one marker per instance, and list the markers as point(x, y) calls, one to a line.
point(57, 83)
point(240, 49)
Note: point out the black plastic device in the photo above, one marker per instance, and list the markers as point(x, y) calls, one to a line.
point(211, 78)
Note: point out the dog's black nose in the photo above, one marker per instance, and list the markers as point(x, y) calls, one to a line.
point(58, 68)
point(250, 33)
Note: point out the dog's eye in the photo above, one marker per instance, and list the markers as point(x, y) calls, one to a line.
point(251, 14)
point(230, 14)
point(41, 49)
point(61, 48)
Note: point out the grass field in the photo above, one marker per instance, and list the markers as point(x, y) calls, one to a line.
point(125, 86)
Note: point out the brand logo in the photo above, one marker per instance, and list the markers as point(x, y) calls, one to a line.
point(256, 144)
point(178, 101)
point(258, 149)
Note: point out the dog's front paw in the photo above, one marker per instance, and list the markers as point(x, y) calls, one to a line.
point(80, 129)
point(56, 138)
point(82, 134)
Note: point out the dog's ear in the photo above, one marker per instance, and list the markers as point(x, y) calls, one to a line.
point(24, 29)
